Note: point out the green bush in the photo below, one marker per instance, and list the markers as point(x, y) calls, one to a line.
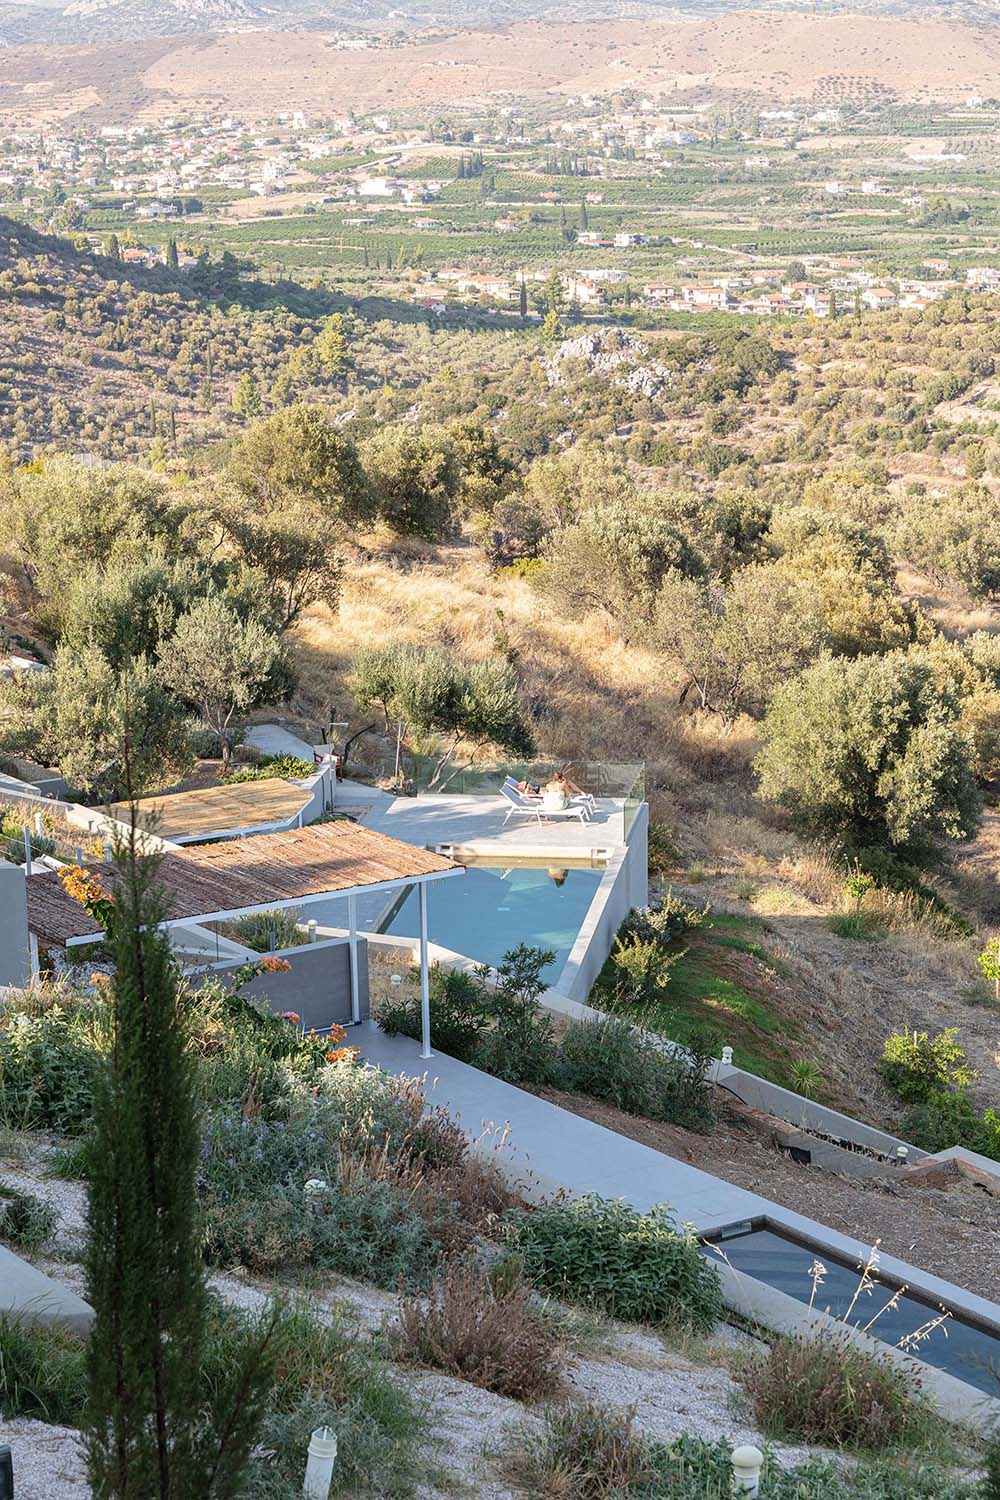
point(642, 969)
point(942, 1119)
point(639, 1267)
point(47, 1068)
point(917, 1065)
point(694, 1468)
point(25, 1220)
point(272, 766)
point(667, 920)
point(325, 1374)
point(42, 1372)
point(611, 1060)
point(270, 931)
point(459, 1013)
point(498, 1026)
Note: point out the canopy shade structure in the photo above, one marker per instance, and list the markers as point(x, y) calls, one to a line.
point(246, 807)
point(211, 882)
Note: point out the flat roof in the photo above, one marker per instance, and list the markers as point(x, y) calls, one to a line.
point(244, 807)
point(208, 882)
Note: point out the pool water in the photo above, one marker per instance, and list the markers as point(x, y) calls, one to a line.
point(487, 911)
point(961, 1349)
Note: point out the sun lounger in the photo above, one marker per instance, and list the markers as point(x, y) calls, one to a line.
point(531, 807)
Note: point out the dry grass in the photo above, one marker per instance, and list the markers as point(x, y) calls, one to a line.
point(483, 1328)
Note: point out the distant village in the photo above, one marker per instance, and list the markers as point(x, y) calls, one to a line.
point(180, 169)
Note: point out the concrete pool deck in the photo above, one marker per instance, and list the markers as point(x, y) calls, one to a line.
point(476, 825)
point(548, 1150)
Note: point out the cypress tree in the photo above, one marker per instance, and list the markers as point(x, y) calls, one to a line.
point(524, 299)
point(173, 260)
point(152, 1431)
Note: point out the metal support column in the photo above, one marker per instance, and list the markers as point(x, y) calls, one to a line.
point(425, 987)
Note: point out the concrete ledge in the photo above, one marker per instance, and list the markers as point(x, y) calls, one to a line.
point(30, 1295)
point(770, 1098)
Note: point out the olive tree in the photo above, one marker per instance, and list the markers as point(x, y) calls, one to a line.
point(423, 690)
point(737, 644)
point(415, 477)
point(871, 749)
point(221, 664)
point(614, 559)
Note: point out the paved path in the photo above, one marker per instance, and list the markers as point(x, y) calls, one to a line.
point(271, 739)
point(552, 1149)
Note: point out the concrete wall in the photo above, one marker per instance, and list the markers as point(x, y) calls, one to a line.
point(15, 959)
point(625, 884)
point(317, 986)
point(760, 1094)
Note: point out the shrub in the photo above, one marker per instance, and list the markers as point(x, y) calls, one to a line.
point(693, 1468)
point(47, 1069)
point(459, 1013)
point(634, 1266)
point(520, 1046)
point(917, 1065)
point(498, 1027)
point(665, 921)
point(828, 1389)
point(587, 1452)
point(24, 1219)
point(663, 853)
point(480, 1328)
point(269, 931)
point(942, 1119)
point(642, 969)
point(42, 1372)
point(612, 1060)
point(272, 766)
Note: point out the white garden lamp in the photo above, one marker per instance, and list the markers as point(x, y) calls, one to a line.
point(319, 1465)
point(746, 1470)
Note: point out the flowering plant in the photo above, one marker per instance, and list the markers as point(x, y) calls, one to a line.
point(336, 1051)
point(87, 889)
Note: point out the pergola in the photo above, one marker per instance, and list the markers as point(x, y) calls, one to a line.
point(240, 877)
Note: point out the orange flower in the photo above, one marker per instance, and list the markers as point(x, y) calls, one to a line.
point(88, 891)
point(100, 981)
point(272, 964)
point(343, 1054)
point(290, 1015)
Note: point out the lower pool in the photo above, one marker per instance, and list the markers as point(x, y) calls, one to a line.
point(493, 908)
point(965, 1350)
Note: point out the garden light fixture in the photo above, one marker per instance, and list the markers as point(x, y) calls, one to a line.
point(319, 1465)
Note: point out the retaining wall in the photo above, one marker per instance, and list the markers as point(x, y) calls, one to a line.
point(317, 986)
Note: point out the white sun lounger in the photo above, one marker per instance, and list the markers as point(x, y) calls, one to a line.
point(532, 807)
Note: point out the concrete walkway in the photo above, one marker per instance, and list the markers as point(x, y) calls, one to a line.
point(271, 739)
point(549, 1149)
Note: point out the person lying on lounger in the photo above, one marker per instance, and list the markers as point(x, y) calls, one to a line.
point(560, 782)
point(528, 788)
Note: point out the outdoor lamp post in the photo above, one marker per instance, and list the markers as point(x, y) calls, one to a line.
point(319, 1465)
point(746, 1470)
point(6, 1473)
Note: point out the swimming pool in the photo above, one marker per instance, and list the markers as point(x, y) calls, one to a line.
point(492, 908)
point(960, 1348)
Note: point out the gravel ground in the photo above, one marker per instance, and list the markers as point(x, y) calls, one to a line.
point(48, 1464)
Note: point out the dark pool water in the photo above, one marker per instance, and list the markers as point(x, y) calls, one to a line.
point(959, 1348)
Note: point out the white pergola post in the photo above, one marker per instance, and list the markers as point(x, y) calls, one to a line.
point(352, 923)
point(425, 987)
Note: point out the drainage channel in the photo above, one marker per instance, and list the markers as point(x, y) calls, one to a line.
point(966, 1350)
